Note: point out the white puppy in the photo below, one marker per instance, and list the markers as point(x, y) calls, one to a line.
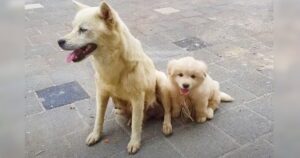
point(190, 84)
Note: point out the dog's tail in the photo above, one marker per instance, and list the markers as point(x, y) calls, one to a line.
point(226, 98)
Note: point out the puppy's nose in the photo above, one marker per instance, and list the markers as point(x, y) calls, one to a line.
point(185, 85)
point(61, 42)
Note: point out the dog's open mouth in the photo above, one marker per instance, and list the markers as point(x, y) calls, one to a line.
point(184, 91)
point(81, 53)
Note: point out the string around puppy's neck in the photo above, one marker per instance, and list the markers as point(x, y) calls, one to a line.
point(185, 110)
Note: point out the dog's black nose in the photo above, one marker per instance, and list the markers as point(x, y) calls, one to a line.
point(61, 42)
point(185, 85)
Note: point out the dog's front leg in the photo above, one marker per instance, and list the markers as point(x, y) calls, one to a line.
point(101, 101)
point(137, 104)
point(166, 101)
point(202, 112)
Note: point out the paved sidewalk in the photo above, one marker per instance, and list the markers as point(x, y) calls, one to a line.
point(235, 37)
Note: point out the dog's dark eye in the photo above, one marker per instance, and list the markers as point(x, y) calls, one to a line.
point(193, 76)
point(180, 75)
point(82, 30)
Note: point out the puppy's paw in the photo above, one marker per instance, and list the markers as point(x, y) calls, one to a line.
point(133, 146)
point(201, 119)
point(210, 113)
point(167, 129)
point(93, 138)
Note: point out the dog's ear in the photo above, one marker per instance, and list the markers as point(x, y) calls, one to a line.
point(170, 69)
point(106, 13)
point(80, 6)
point(203, 67)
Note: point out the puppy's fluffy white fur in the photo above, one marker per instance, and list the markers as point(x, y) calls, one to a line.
point(189, 81)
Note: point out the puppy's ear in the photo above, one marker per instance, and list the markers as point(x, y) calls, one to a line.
point(170, 69)
point(106, 13)
point(80, 6)
point(203, 67)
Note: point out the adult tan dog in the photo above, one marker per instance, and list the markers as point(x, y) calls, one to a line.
point(122, 70)
point(190, 85)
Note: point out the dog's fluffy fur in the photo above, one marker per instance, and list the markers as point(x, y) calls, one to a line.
point(122, 70)
point(189, 82)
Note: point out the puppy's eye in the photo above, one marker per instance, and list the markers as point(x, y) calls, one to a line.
point(82, 30)
point(193, 76)
point(180, 75)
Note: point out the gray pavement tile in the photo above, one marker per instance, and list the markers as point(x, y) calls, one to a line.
point(194, 20)
point(202, 140)
point(41, 39)
point(236, 66)
point(263, 106)
point(33, 106)
point(242, 124)
point(113, 141)
point(154, 148)
point(259, 149)
point(161, 65)
point(35, 23)
point(71, 72)
point(240, 96)
point(35, 64)
point(270, 137)
point(219, 73)
point(148, 28)
point(45, 131)
point(87, 109)
point(164, 52)
point(60, 95)
point(191, 43)
point(228, 51)
point(31, 31)
point(39, 51)
point(180, 33)
point(214, 32)
point(38, 81)
point(52, 148)
point(205, 55)
point(89, 86)
point(254, 82)
point(57, 61)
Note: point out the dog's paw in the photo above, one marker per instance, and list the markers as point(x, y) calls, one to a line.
point(167, 129)
point(201, 119)
point(210, 113)
point(93, 138)
point(133, 146)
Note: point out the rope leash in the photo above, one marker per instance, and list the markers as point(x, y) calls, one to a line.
point(186, 112)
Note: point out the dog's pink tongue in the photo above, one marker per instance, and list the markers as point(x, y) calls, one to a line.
point(184, 91)
point(70, 57)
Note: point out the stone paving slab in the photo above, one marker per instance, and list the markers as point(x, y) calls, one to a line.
point(155, 147)
point(193, 140)
point(259, 149)
point(114, 140)
point(263, 106)
point(239, 121)
point(45, 131)
point(60, 95)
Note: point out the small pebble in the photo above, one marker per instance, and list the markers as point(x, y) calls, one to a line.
point(106, 141)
